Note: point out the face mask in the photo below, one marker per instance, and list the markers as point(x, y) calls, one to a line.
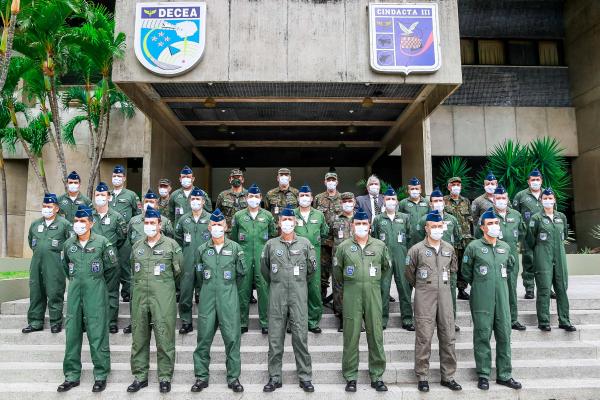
point(253, 202)
point(217, 231)
point(494, 231)
point(415, 194)
point(287, 226)
point(438, 206)
point(150, 230)
point(390, 205)
point(347, 207)
point(100, 200)
point(436, 233)
point(490, 189)
point(73, 187)
point(304, 201)
point(164, 192)
point(236, 183)
point(331, 185)
point(455, 190)
point(535, 185)
point(501, 204)
point(80, 228)
point(361, 231)
point(47, 212)
point(196, 205)
point(284, 180)
point(548, 203)
point(186, 182)
point(117, 181)
point(374, 190)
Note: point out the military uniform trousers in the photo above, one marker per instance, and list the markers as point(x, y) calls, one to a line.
point(46, 288)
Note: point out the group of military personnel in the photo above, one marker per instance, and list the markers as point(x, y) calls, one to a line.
point(288, 245)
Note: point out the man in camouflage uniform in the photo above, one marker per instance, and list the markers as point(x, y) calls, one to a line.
point(279, 197)
point(486, 200)
point(329, 203)
point(70, 201)
point(416, 206)
point(460, 207)
point(164, 191)
point(232, 200)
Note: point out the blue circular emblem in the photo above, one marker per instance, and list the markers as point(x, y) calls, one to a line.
point(140, 252)
point(353, 248)
point(73, 249)
point(210, 252)
point(247, 218)
point(279, 252)
point(484, 250)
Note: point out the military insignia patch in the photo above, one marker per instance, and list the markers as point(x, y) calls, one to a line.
point(71, 268)
point(410, 204)
point(210, 252)
point(383, 223)
point(428, 253)
point(446, 253)
point(500, 251)
point(199, 267)
point(73, 249)
point(274, 268)
point(206, 235)
point(484, 250)
point(423, 273)
point(350, 270)
point(527, 214)
point(543, 236)
point(162, 267)
point(227, 275)
point(140, 252)
point(353, 248)
point(187, 221)
point(483, 269)
point(546, 221)
point(207, 274)
point(247, 218)
point(465, 259)
point(95, 266)
point(279, 252)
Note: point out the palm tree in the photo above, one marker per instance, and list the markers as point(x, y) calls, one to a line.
point(9, 23)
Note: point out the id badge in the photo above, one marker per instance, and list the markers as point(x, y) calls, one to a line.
point(296, 270)
point(503, 272)
point(107, 221)
point(179, 210)
point(372, 271)
point(300, 222)
point(445, 276)
point(187, 237)
point(276, 210)
point(400, 238)
point(156, 270)
point(54, 243)
point(40, 228)
point(340, 234)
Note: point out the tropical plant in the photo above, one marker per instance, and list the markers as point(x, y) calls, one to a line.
point(9, 9)
point(509, 161)
point(546, 154)
point(455, 166)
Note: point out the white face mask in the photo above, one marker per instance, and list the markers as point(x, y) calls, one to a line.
point(47, 212)
point(304, 201)
point(361, 230)
point(217, 231)
point(374, 190)
point(287, 226)
point(455, 190)
point(80, 228)
point(415, 194)
point(439, 205)
point(331, 185)
point(347, 207)
point(117, 181)
point(253, 202)
point(501, 204)
point(284, 180)
point(164, 192)
point(186, 182)
point(73, 187)
point(390, 205)
point(196, 205)
point(436, 233)
point(490, 189)
point(535, 185)
point(548, 203)
point(100, 200)
point(494, 231)
point(150, 230)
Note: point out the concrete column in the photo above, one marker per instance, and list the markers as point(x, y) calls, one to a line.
point(416, 154)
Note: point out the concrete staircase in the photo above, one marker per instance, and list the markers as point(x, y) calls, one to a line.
point(555, 365)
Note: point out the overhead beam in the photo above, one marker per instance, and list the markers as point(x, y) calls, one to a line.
point(360, 100)
point(288, 143)
point(288, 123)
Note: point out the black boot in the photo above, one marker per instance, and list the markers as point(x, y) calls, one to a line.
point(199, 385)
point(483, 384)
point(99, 386)
point(529, 294)
point(127, 329)
point(379, 386)
point(113, 329)
point(462, 295)
point(517, 326)
point(136, 386)
point(56, 328)
point(307, 386)
point(351, 386)
point(164, 387)
point(452, 385)
point(423, 386)
point(67, 385)
point(236, 386)
point(568, 328)
point(271, 386)
point(126, 298)
point(29, 329)
point(510, 383)
point(186, 328)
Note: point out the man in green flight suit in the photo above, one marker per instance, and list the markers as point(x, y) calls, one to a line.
point(288, 263)
point(233, 199)
point(156, 264)
point(279, 197)
point(70, 201)
point(512, 231)
point(311, 224)
point(416, 206)
point(486, 265)
point(486, 200)
point(360, 263)
point(111, 225)
point(128, 204)
point(219, 266)
point(190, 232)
point(89, 261)
point(251, 228)
point(545, 236)
point(46, 274)
point(529, 202)
point(391, 227)
point(179, 203)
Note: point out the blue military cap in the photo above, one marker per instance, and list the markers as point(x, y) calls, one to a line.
point(217, 216)
point(414, 181)
point(490, 176)
point(436, 193)
point(536, 172)
point(548, 192)
point(305, 189)
point(197, 192)
point(102, 187)
point(254, 189)
point(50, 198)
point(434, 216)
point(74, 176)
point(361, 215)
point(500, 190)
point(152, 213)
point(150, 195)
point(390, 191)
point(489, 214)
point(287, 211)
point(186, 171)
point(83, 211)
point(119, 169)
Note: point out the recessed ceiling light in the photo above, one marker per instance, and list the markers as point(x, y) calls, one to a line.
point(223, 111)
point(351, 111)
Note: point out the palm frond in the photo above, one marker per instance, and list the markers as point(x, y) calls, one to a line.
point(454, 166)
point(69, 128)
point(546, 154)
point(510, 164)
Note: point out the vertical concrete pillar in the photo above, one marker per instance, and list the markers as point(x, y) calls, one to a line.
point(416, 154)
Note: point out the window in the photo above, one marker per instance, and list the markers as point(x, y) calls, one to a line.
point(548, 53)
point(522, 52)
point(491, 52)
point(467, 51)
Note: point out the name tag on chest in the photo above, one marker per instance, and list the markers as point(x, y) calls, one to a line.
point(295, 252)
point(158, 252)
point(40, 228)
point(107, 221)
point(226, 252)
point(89, 250)
point(369, 253)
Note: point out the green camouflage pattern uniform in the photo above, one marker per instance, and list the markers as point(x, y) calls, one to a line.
point(89, 269)
point(486, 269)
point(230, 202)
point(69, 207)
point(163, 207)
point(276, 199)
point(331, 206)
point(46, 274)
point(153, 306)
point(415, 211)
point(219, 274)
point(287, 267)
point(179, 203)
point(461, 209)
point(315, 229)
point(528, 205)
point(252, 234)
point(394, 233)
point(360, 270)
point(341, 229)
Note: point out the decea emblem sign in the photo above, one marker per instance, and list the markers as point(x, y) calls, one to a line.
point(170, 37)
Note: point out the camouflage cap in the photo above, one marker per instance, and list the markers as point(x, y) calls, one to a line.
point(164, 181)
point(347, 196)
point(455, 179)
point(284, 171)
point(236, 172)
point(331, 175)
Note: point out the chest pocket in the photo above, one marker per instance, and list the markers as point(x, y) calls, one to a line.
point(482, 271)
point(161, 262)
point(227, 263)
